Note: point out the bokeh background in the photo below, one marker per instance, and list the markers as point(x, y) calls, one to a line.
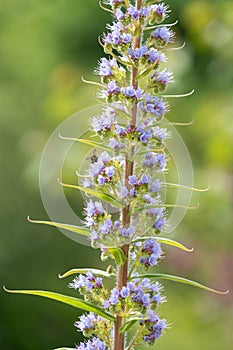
point(45, 47)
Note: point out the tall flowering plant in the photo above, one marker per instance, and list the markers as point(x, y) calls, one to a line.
point(125, 213)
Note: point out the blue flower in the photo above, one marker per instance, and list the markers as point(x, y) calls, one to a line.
point(112, 88)
point(125, 292)
point(113, 300)
point(163, 36)
point(103, 122)
point(127, 232)
point(109, 171)
point(155, 186)
point(145, 136)
point(145, 179)
point(160, 133)
point(132, 11)
point(122, 192)
point(156, 56)
point(88, 321)
point(106, 227)
point(114, 144)
point(94, 344)
point(160, 223)
point(133, 180)
point(119, 14)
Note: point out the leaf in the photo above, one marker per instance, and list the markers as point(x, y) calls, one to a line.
point(102, 195)
point(129, 324)
point(180, 280)
point(140, 209)
point(65, 349)
point(85, 270)
point(76, 229)
point(166, 241)
point(75, 302)
point(88, 142)
point(118, 255)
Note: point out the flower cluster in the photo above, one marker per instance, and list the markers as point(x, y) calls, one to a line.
point(147, 253)
point(129, 129)
point(153, 327)
point(94, 344)
point(104, 230)
point(135, 296)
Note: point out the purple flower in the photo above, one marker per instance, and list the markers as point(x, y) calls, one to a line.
point(122, 192)
point(94, 236)
point(155, 186)
point(101, 180)
point(115, 144)
point(88, 322)
point(125, 292)
point(138, 52)
point(160, 133)
point(145, 179)
point(132, 11)
point(145, 136)
point(106, 227)
point(105, 67)
point(103, 122)
point(126, 38)
point(157, 159)
point(133, 180)
point(127, 232)
point(163, 35)
point(94, 208)
point(155, 55)
point(112, 88)
point(159, 12)
point(145, 11)
point(146, 299)
point(128, 91)
point(113, 300)
point(104, 157)
point(160, 223)
point(94, 344)
point(109, 171)
point(119, 14)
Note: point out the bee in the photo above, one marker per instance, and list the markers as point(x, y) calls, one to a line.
point(93, 158)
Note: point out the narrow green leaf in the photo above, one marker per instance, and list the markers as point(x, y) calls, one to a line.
point(102, 195)
point(76, 229)
point(165, 241)
point(146, 207)
point(118, 255)
point(180, 280)
point(129, 324)
point(96, 272)
point(75, 302)
point(65, 349)
point(88, 142)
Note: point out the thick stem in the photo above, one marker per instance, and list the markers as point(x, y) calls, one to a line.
point(122, 275)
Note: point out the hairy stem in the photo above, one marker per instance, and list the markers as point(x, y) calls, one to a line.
point(122, 275)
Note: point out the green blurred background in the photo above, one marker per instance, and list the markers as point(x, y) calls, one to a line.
point(45, 47)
